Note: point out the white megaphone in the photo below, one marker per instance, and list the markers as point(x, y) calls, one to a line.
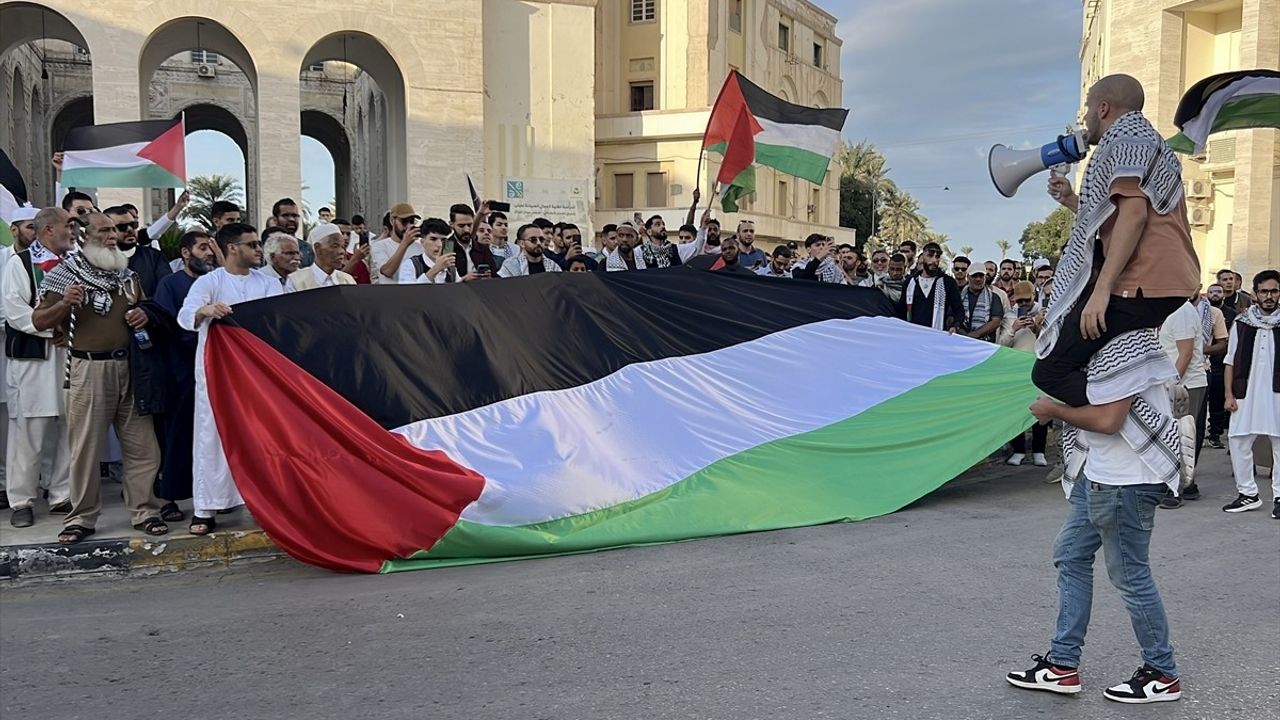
point(1010, 168)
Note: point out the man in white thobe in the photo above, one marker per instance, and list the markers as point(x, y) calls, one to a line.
point(1253, 391)
point(37, 424)
point(210, 298)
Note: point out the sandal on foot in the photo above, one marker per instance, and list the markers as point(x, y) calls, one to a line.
point(73, 534)
point(172, 513)
point(152, 526)
point(209, 525)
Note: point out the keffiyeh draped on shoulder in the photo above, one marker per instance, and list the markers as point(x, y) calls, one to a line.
point(1130, 148)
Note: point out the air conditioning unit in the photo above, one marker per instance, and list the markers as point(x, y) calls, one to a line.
point(205, 70)
point(1199, 188)
point(1201, 216)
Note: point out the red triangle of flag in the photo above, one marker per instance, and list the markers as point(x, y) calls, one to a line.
point(169, 151)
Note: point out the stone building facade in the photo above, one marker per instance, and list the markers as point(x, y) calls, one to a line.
point(1233, 190)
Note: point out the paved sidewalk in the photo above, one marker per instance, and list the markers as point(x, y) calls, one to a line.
point(117, 549)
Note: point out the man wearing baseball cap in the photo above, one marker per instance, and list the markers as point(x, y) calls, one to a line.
point(390, 252)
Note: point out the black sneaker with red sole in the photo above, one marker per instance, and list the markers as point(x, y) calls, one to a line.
point(1046, 676)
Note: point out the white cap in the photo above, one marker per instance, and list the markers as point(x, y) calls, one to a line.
point(1039, 263)
point(23, 214)
point(322, 231)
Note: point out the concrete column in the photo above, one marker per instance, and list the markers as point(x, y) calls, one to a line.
point(117, 91)
point(1255, 234)
point(277, 167)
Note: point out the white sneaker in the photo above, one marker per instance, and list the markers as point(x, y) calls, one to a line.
point(1015, 459)
point(1038, 459)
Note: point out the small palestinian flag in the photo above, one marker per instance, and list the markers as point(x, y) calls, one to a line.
point(1229, 101)
point(402, 428)
point(150, 154)
point(748, 125)
point(13, 195)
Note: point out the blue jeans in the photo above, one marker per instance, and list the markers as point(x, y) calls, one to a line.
point(1119, 520)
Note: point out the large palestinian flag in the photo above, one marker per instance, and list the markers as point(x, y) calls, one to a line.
point(749, 125)
point(149, 154)
point(1228, 101)
point(399, 428)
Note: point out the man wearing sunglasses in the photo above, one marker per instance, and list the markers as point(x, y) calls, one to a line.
point(211, 298)
point(149, 263)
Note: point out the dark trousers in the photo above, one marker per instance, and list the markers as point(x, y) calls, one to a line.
point(1039, 438)
point(1216, 403)
point(1062, 373)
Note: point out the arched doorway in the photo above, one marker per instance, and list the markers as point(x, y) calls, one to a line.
point(204, 118)
point(326, 130)
point(33, 35)
point(371, 85)
point(75, 113)
point(199, 52)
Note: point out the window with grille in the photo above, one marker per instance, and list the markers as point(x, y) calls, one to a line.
point(784, 37)
point(817, 55)
point(644, 10)
point(641, 96)
point(316, 67)
point(205, 57)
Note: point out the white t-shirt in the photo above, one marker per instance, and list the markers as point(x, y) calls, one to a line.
point(1259, 412)
point(1184, 324)
point(380, 252)
point(1111, 461)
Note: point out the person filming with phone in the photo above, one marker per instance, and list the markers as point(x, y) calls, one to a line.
point(392, 252)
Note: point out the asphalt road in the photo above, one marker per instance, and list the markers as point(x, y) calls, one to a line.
point(916, 615)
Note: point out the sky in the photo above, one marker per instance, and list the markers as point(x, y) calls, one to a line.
point(935, 83)
point(932, 83)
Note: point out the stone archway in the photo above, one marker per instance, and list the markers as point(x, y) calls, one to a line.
point(74, 113)
point(329, 132)
point(388, 179)
point(191, 33)
point(29, 104)
point(201, 115)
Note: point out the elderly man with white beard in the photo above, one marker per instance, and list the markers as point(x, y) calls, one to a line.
point(93, 297)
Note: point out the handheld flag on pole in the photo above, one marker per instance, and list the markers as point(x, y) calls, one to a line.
point(1227, 101)
point(13, 195)
point(750, 126)
point(475, 196)
point(149, 154)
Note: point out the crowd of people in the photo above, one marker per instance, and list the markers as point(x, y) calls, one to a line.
point(103, 330)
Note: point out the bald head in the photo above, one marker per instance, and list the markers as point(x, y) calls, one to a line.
point(1110, 98)
point(1122, 92)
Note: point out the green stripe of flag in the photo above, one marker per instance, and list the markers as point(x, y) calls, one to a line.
point(149, 175)
point(795, 161)
point(1241, 113)
point(851, 470)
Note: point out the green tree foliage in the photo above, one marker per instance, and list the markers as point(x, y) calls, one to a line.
point(205, 191)
point(1046, 238)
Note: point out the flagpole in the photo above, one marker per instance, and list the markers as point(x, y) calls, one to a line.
point(703, 150)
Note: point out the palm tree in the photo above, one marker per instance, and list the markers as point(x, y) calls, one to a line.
point(900, 217)
point(205, 191)
point(966, 250)
point(1004, 248)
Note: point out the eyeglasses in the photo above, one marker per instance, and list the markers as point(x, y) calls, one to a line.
point(252, 244)
point(127, 226)
point(960, 268)
point(879, 261)
point(1267, 291)
point(1024, 301)
point(572, 238)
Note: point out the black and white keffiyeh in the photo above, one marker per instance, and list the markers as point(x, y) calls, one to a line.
point(1131, 147)
point(99, 285)
point(981, 311)
point(1128, 365)
point(613, 262)
point(1254, 317)
point(938, 321)
point(1206, 321)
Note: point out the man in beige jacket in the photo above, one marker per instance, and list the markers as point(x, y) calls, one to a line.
point(330, 247)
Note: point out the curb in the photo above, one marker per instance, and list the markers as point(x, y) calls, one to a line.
point(135, 556)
